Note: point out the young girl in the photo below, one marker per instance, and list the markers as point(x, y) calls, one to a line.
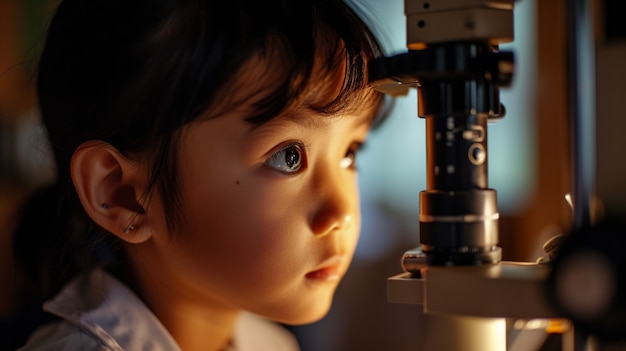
point(205, 153)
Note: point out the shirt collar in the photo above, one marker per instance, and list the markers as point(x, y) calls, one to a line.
point(106, 309)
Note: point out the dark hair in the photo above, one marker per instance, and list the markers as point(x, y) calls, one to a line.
point(130, 73)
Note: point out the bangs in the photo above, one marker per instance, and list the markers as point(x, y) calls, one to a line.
point(322, 68)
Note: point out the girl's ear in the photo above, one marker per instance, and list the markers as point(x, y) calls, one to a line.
point(110, 188)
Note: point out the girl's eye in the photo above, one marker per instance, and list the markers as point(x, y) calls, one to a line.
point(288, 159)
point(349, 160)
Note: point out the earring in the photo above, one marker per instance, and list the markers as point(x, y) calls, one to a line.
point(129, 229)
point(105, 205)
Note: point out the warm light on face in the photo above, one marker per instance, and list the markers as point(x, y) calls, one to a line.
point(270, 212)
point(255, 236)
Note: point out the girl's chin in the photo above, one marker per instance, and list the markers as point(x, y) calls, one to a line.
point(311, 315)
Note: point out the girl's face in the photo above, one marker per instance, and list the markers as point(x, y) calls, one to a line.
point(271, 213)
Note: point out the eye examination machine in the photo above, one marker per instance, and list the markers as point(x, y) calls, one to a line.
point(478, 301)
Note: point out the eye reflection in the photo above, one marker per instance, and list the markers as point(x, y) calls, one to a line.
point(349, 160)
point(287, 160)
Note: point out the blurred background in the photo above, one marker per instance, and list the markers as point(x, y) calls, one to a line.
point(529, 162)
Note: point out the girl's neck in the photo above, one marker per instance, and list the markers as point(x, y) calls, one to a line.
point(193, 325)
point(194, 330)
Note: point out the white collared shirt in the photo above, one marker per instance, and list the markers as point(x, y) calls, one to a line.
point(100, 313)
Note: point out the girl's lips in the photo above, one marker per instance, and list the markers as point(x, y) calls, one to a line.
point(327, 273)
point(329, 270)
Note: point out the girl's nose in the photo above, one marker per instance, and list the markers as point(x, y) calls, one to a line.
point(336, 199)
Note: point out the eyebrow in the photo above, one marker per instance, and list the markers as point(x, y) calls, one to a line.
point(310, 118)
